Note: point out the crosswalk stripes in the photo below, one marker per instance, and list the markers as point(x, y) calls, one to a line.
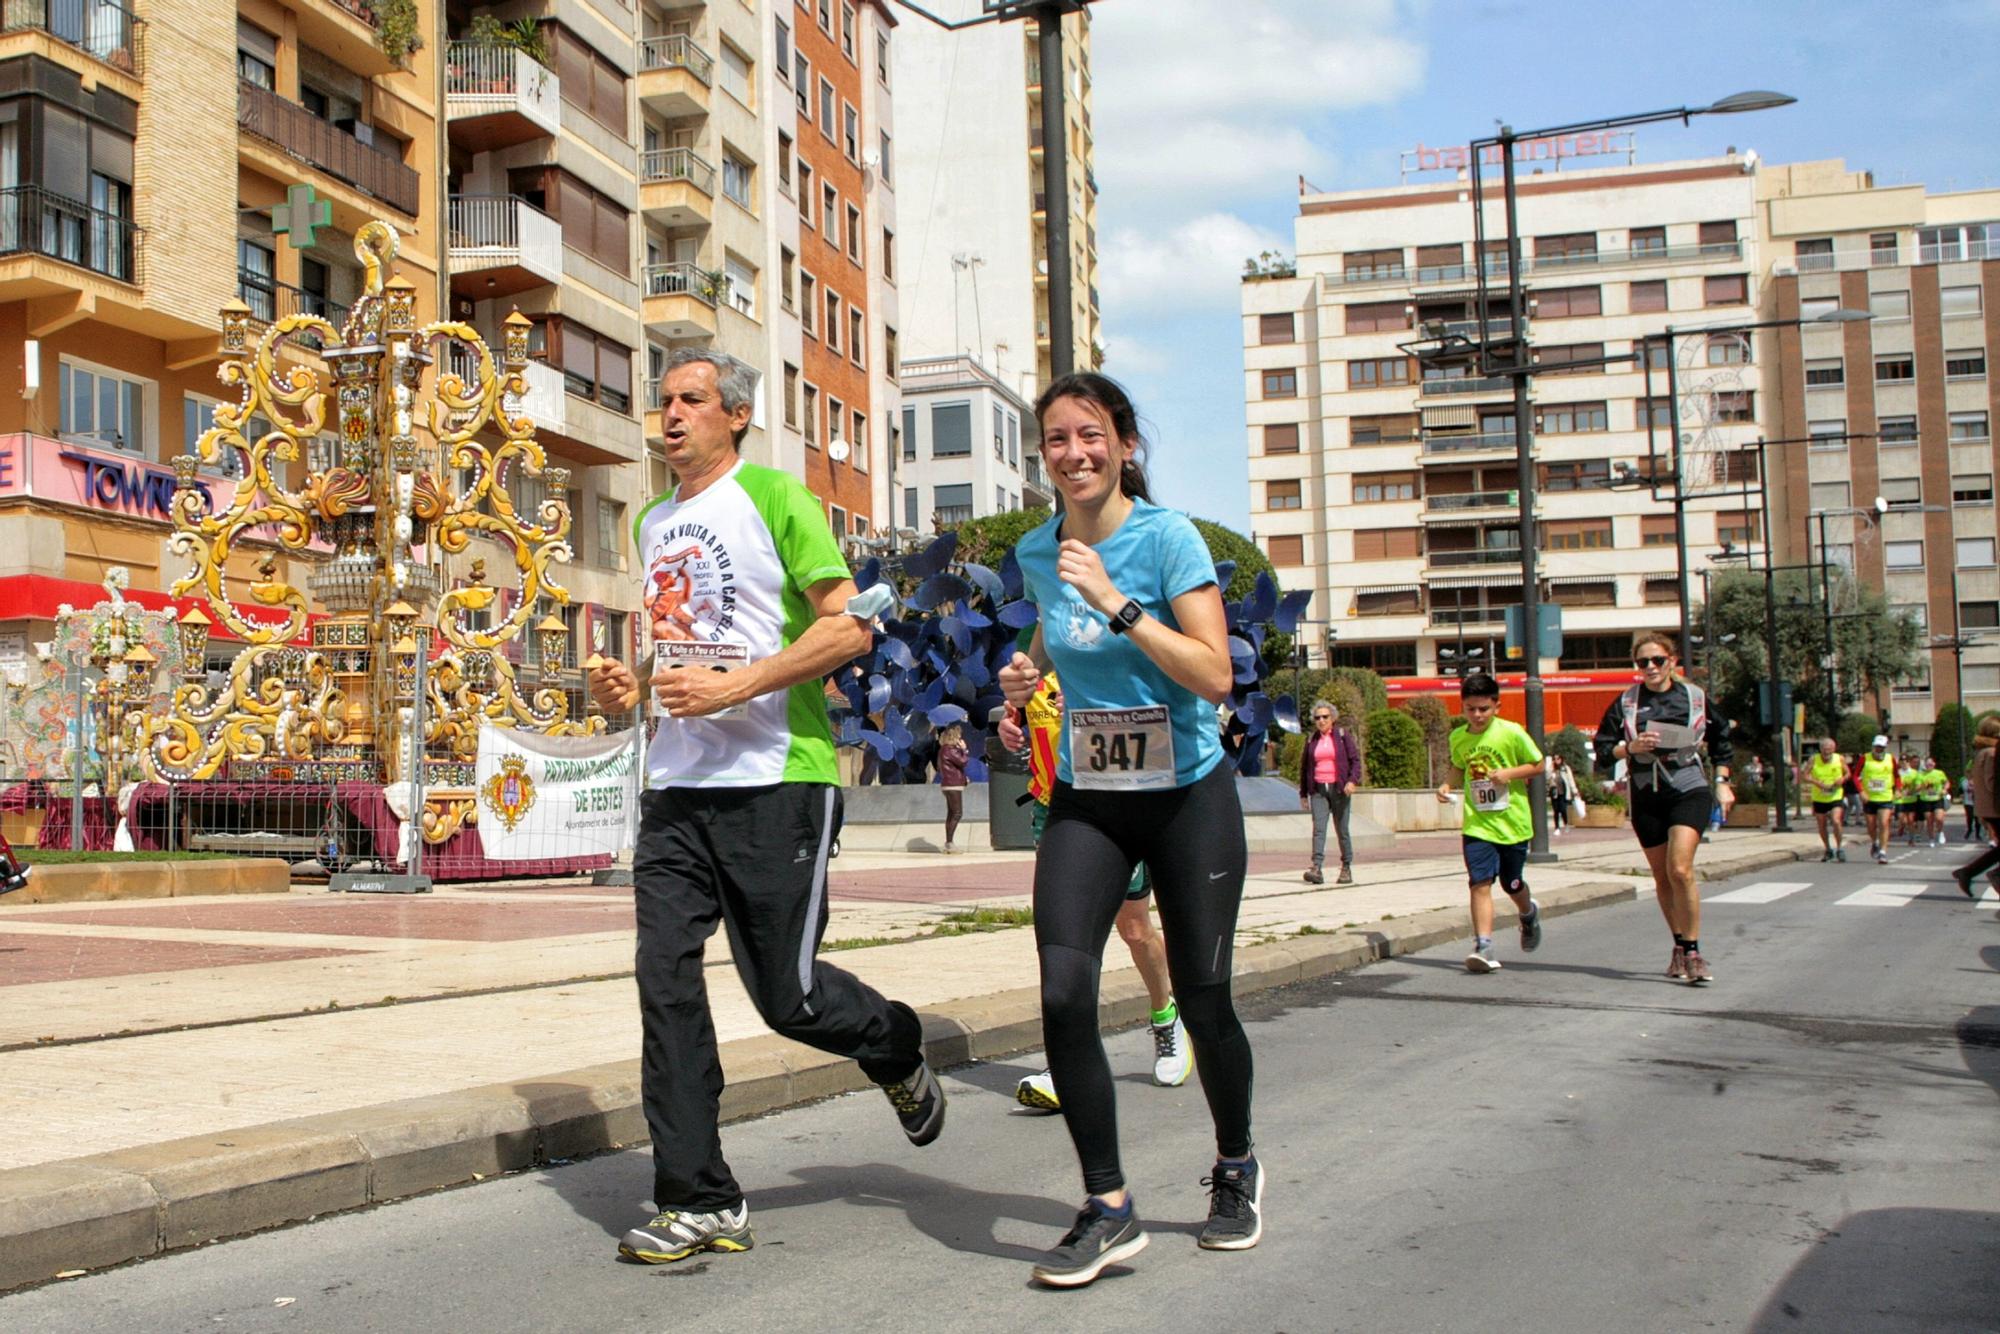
point(1890, 894)
point(1764, 891)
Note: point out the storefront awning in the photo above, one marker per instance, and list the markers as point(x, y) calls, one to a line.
point(1478, 581)
point(1389, 588)
point(1451, 418)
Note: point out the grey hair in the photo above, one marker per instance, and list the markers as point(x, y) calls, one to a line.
point(735, 378)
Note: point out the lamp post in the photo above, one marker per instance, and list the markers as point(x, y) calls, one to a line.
point(1513, 359)
point(1820, 516)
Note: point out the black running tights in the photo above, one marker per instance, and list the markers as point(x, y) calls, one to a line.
point(1192, 839)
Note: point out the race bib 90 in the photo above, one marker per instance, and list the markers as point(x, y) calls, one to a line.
point(1488, 795)
point(1126, 750)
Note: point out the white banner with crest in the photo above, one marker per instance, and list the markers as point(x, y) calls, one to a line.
point(555, 796)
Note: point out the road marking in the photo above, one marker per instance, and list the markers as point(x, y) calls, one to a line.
point(1881, 895)
point(1764, 891)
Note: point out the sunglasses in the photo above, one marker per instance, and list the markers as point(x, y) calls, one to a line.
point(1659, 660)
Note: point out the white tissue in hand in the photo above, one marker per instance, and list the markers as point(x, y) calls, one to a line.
point(873, 603)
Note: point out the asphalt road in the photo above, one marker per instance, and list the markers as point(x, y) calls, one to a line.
point(1572, 1144)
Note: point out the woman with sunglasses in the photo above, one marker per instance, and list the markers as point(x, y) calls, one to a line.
point(1660, 728)
point(1328, 772)
point(1130, 615)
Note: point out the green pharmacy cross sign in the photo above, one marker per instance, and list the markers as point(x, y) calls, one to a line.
point(302, 214)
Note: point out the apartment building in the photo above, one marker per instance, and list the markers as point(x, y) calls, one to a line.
point(1899, 407)
point(974, 253)
point(141, 160)
point(1387, 485)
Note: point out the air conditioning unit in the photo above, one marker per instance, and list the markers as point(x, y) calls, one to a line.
point(1784, 271)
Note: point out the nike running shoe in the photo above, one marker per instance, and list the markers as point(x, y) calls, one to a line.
point(1098, 1241)
point(1826, 856)
point(1235, 1207)
point(1677, 967)
point(675, 1234)
point(1881, 856)
point(1482, 961)
point(919, 1104)
point(1037, 1093)
point(1172, 1057)
point(1697, 969)
point(1531, 928)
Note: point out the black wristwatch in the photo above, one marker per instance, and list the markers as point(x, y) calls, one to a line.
point(1126, 616)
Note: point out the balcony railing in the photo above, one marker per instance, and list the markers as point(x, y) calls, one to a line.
point(34, 221)
point(676, 52)
point(321, 144)
point(678, 164)
point(1466, 384)
point(1848, 260)
point(683, 279)
point(498, 231)
point(1482, 556)
point(102, 29)
point(270, 301)
point(1470, 500)
point(1467, 615)
point(485, 77)
point(543, 404)
point(1466, 444)
point(1496, 265)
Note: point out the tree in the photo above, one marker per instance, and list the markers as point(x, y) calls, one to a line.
point(1228, 544)
point(1430, 714)
point(1374, 691)
point(1856, 731)
point(987, 541)
point(1395, 749)
point(1951, 739)
point(1874, 647)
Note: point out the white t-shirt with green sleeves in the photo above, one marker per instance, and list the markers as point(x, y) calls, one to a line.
point(730, 566)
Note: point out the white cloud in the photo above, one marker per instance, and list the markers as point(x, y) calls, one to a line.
point(1194, 267)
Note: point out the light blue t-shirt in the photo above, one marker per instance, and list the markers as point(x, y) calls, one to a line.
point(1155, 556)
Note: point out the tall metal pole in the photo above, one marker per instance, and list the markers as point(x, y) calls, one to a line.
point(1772, 672)
point(1680, 492)
point(1826, 609)
point(1524, 461)
point(1958, 670)
point(1055, 189)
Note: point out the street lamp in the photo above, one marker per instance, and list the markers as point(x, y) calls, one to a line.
point(1873, 515)
point(1513, 360)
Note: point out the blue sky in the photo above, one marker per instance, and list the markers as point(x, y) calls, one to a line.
point(1208, 111)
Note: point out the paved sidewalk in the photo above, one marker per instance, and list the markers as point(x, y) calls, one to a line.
point(129, 1025)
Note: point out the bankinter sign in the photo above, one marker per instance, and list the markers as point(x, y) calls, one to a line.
point(1548, 148)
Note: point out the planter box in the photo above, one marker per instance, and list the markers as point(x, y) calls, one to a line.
point(1748, 815)
point(1600, 817)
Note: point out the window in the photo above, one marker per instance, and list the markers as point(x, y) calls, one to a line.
point(197, 416)
point(1956, 300)
point(1892, 430)
point(836, 425)
point(1389, 602)
point(1382, 659)
point(1555, 356)
point(805, 194)
point(1372, 374)
point(1370, 487)
point(1979, 615)
point(1889, 305)
point(1974, 553)
point(1571, 418)
point(736, 178)
point(1282, 496)
point(1646, 240)
point(1737, 467)
point(1286, 550)
point(593, 366)
point(593, 224)
point(1281, 384)
point(826, 121)
point(741, 285)
point(951, 430)
point(783, 49)
point(1882, 248)
point(891, 353)
point(888, 256)
point(854, 233)
point(1645, 297)
point(1972, 488)
point(1366, 265)
point(1568, 248)
point(1816, 253)
point(836, 519)
point(787, 277)
point(909, 507)
point(999, 433)
point(888, 172)
point(808, 302)
point(1435, 262)
point(1718, 233)
point(1382, 430)
point(812, 416)
point(1013, 441)
point(791, 395)
point(882, 57)
point(1895, 367)
point(847, 31)
point(1903, 555)
point(850, 131)
point(1725, 289)
point(1280, 328)
point(257, 279)
point(1729, 350)
point(589, 82)
point(1386, 543)
point(611, 533)
point(734, 74)
point(102, 408)
point(831, 329)
point(1585, 593)
point(1817, 307)
point(1662, 589)
point(1577, 535)
point(1282, 438)
point(256, 55)
point(951, 504)
point(1902, 491)
point(1826, 372)
point(1654, 353)
point(1565, 302)
point(1576, 475)
point(829, 214)
point(1965, 363)
point(802, 85)
point(1982, 678)
point(1967, 426)
point(1736, 405)
point(1829, 495)
point(1656, 530)
point(1368, 317)
point(825, 17)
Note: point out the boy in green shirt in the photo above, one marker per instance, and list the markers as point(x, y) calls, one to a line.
point(1492, 758)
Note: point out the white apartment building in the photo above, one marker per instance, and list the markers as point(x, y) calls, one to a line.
point(969, 446)
point(1389, 488)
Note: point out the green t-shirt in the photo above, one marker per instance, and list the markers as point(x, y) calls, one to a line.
point(1934, 784)
point(1492, 813)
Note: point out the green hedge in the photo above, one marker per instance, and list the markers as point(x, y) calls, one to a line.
point(1395, 750)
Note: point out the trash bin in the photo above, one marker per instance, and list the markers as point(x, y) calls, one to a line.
point(1009, 807)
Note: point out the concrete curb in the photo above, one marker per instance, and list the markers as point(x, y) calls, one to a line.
point(88, 1213)
point(99, 882)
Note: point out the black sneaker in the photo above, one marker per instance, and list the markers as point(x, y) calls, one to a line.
point(1531, 928)
point(1098, 1241)
point(675, 1234)
point(18, 880)
point(1235, 1207)
point(919, 1104)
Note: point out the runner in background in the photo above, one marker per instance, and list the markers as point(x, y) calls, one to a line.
point(1493, 759)
point(1875, 775)
point(1823, 779)
point(1935, 785)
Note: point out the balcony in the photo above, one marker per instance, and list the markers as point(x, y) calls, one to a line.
point(497, 96)
point(1478, 558)
point(1454, 448)
point(346, 31)
point(1467, 384)
point(1462, 502)
point(545, 402)
point(298, 133)
point(680, 300)
point(1558, 266)
point(675, 75)
point(500, 245)
point(677, 187)
point(34, 221)
point(1457, 616)
point(270, 301)
point(101, 29)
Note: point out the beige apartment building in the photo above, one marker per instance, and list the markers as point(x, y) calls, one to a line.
point(1910, 391)
point(1388, 487)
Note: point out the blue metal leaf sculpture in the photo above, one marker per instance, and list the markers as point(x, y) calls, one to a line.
point(869, 575)
point(1011, 584)
point(933, 559)
point(878, 693)
point(1018, 615)
point(1288, 713)
point(944, 715)
point(1262, 604)
point(937, 590)
point(1225, 570)
point(1290, 608)
point(986, 581)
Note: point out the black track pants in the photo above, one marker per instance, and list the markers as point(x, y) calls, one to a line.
point(756, 859)
point(1192, 840)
